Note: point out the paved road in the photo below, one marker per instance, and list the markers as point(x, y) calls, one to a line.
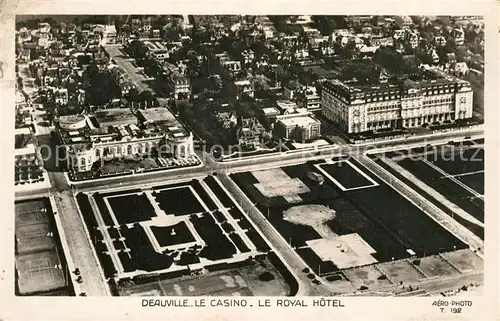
point(134, 75)
point(273, 160)
point(79, 246)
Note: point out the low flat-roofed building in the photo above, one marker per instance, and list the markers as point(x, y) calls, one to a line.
point(271, 111)
point(284, 105)
point(72, 122)
point(299, 126)
point(245, 87)
point(117, 132)
point(157, 115)
point(179, 141)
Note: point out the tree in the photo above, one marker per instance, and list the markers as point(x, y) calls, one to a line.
point(425, 58)
point(280, 23)
point(133, 95)
point(325, 24)
point(147, 97)
point(388, 59)
point(364, 73)
point(38, 81)
point(416, 20)
point(137, 49)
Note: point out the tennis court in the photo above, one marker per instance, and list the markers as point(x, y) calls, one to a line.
point(40, 272)
point(31, 212)
point(34, 238)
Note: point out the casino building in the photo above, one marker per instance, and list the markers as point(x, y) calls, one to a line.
point(113, 133)
point(359, 108)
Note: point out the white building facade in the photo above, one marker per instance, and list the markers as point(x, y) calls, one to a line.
point(410, 105)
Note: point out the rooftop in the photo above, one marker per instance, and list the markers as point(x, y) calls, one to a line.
point(163, 118)
point(270, 111)
point(23, 142)
point(71, 119)
point(299, 120)
point(115, 116)
point(158, 114)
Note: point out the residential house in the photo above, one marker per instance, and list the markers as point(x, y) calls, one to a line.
point(290, 89)
point(227, 120)
point(245, 87)
point(458, 36)
point(440, 41)
point(307, 98)
point(248, 133)
point(460, 69)
point(412, 38)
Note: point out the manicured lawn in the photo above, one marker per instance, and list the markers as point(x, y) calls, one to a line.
point(449, 189)
point(257, 240)
point(178, 201)
point(203, 195)
point(315, 262)
point(165, 237)
point(479, 231)
point(142, 253)
point(295, 234)
point(107, 264)
point(105, 214)
point(474, 181)
point(459, 162)
point(400, 217)
point(237, 240)
point(131, 208)
point(218, 245)
point(88, 214)
point(218, 191)
point(346, 175)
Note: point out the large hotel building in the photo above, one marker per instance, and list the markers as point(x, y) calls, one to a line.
point(359, 108)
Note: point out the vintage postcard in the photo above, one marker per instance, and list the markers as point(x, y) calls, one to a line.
point(310, 162)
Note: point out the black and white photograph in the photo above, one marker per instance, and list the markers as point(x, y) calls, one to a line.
point(224, 157)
